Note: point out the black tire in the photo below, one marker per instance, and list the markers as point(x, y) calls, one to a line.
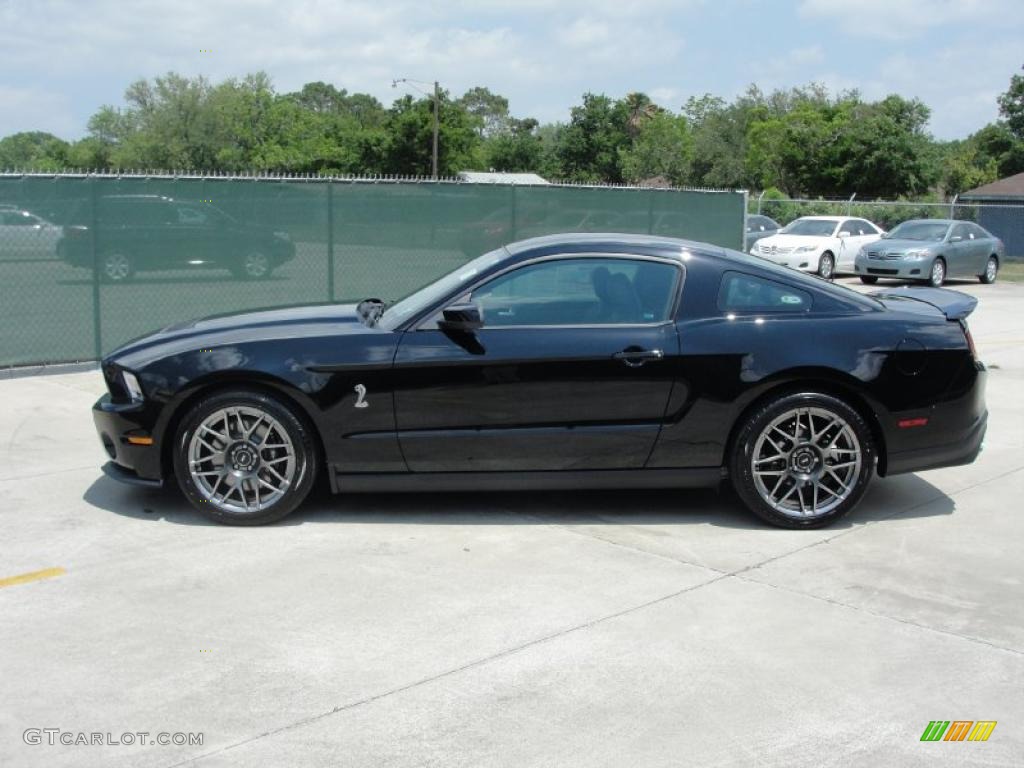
point(991, 271)
point(116, 266)
point(299, 432)
point(760, 420)
point(937, 273)
point(868, 279)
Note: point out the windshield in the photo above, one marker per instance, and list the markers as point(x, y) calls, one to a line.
point(421, 298)
point(919, 230)
point(809, 228)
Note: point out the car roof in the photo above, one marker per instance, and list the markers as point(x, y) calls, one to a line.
point(606, 241)
point(823, 218)
point(936, 221)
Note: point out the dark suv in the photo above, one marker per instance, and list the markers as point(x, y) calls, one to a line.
point(139, 233)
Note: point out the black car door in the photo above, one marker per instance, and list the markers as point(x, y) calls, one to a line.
point(572, 369)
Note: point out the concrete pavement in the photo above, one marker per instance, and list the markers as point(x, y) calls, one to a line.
point(570, 629)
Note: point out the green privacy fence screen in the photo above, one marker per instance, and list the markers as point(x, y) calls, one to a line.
point(90, 261)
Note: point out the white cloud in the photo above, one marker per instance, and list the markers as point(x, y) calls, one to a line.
point(65, 58)
point(28, 109)
point(902, 19)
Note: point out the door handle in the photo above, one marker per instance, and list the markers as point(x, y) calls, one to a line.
point(634, 357)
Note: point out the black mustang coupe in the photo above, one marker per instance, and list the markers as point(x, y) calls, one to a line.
point(571, 361)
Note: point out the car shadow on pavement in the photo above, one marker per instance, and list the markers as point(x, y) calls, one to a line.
point(905, 496)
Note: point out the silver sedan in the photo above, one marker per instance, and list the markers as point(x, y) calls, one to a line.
point(930, 250)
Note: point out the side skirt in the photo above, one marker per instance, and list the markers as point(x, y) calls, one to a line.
point(695, 477)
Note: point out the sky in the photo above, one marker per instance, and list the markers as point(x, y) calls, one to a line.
point(61, 59)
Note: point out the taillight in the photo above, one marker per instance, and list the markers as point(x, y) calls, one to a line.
point(970, 339)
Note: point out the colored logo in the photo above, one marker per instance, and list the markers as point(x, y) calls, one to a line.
point(958, 730)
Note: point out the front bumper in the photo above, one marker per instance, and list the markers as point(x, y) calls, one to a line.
point(894, 268)
point(115, 423)
point(805, 262)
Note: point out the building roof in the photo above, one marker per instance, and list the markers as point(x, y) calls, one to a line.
point(479, 177)
point(1008, 188)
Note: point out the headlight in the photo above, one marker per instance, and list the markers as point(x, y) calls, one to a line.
point(805, 248)
point(131, 383)
point(915, 254)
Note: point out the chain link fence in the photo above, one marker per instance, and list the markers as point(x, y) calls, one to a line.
point(89, 261)
point(1005, 220)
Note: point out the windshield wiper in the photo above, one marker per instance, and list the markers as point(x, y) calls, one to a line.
point(370, 310)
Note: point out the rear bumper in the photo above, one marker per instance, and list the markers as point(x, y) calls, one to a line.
point(962, 451)
point(115, 423)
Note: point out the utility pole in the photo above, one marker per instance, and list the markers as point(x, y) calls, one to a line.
point(437, 123)
point(437, 114)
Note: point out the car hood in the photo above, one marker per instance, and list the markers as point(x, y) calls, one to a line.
point(258, 325)
point(792, 241)
point(899, 246)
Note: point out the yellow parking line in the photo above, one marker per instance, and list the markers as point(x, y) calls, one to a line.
point(24, 578)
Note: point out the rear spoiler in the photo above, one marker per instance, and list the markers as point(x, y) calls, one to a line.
point(953, 304)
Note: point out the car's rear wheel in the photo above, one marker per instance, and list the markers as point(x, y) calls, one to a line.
point(254, 266)
point(802, 460)
point(991, 271)
point(868, 279)
point(937, 275)
point(244, 458)
point(116, 267)
point(827, 266)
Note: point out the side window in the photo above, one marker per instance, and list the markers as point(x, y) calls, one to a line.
point(746, 293)
point(580, 291)
point(959, 231)
point(849, 225)
point(978, 232)
point(864, 227)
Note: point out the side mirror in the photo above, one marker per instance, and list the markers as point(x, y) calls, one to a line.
point(844, 233)
point(461, 317)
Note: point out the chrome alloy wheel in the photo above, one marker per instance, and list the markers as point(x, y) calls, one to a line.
point(241, 459)
point(991, 269)
point(938, 272)
point(117, 266)
point(256, 264)
point(806, 462)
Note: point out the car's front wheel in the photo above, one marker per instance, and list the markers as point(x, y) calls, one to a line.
point(827, 266)
point(937, 275)
point(116, 266)
point(802, 460)
point(244, 458)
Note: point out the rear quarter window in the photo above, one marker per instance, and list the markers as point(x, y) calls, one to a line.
point(740, 292)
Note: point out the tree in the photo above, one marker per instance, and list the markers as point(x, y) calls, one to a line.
point(589, 146)
point(35, 150)
point(663, 149)
point(488, 110)
point(1011, 106)
point(408, 132)
point(521, 148)
point(639, 109)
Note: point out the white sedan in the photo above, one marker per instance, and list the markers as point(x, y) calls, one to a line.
point(827, 245)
